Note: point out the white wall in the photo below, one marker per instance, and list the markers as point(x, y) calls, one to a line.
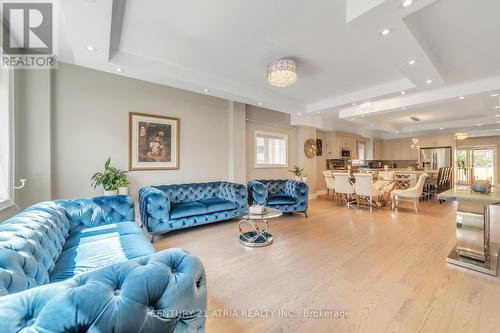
point(90, 124)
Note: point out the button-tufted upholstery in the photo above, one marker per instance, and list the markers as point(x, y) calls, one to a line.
point(170, 207)
point(111, 279)
point(282, 194)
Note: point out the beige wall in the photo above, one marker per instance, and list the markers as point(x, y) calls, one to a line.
point(321, 164)
point(305, 133)
point(259, 119)
point(90, 124)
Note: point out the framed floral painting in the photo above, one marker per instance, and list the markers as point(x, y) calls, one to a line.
point(153, 142)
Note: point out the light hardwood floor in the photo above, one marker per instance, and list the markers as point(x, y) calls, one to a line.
point(387, 270)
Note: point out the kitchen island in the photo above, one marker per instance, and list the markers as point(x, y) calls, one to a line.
point(473, 249)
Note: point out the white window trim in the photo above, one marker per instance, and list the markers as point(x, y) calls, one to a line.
point(4, 204)
point(269, 166)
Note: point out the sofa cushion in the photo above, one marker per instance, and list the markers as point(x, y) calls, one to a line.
point(184, 209)
point(218, 205)
point(87, 249)
point(30, 244)
point(280, 199)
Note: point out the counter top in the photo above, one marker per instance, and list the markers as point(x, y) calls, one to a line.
point(464, 193)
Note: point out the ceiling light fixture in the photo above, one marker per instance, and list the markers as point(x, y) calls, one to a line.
point(441, 128)
point(385, 31)
point(496, 107)
point(495, 95)
point(353, 104)
point(282, 73)
point(407, 3)
point(461, 97)
point(428, 81)
point(119, 70)
point(479, 124)
point(404, 108)
point(206, 90)
point(91, 48)
point(260, 103)
point(412, 62)
point(497, 115)
point(299, 114)
point(461, 136)
point(403, 93)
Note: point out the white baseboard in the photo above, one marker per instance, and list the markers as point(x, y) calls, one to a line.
point(316, 194)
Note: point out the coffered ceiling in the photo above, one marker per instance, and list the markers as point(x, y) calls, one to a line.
point(223, 49)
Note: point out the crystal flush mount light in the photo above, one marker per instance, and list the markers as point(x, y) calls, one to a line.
point(282, 73)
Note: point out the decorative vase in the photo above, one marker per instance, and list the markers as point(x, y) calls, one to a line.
point(123, 190)
point(110, 193)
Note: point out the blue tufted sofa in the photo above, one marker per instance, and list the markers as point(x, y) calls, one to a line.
point(285, 195)
point(85, 266)
point(169, 207)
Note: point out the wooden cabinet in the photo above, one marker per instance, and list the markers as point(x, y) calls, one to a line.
point(378, 149)
point(335, 141)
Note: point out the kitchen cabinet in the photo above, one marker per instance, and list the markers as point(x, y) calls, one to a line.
point(335, 141)
point(378, 149)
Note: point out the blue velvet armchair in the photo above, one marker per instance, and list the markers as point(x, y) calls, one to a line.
point(285, 195)
point(86, 266)
point(170, 207)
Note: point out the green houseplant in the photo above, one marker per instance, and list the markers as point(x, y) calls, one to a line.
point(111, 179)
point(298, 173)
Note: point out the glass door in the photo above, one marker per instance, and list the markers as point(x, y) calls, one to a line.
point(475, 163)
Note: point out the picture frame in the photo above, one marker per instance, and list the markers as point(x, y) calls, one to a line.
point(153, 142)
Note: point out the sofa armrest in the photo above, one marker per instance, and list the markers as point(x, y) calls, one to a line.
point(154, 206)
point(98, 211)
point(163, 292)
point(257, 193)
point(236, 193)
point(298, 190)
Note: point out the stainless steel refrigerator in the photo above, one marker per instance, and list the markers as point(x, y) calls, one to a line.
point(435, 158)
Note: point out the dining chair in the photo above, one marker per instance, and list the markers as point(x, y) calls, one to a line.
point(344, 187)
point(365, 190)
point(329, 181)
point(412, 194)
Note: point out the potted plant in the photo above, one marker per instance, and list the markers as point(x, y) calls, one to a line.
point(110, 179)
point(122, 183)
point(298, 173)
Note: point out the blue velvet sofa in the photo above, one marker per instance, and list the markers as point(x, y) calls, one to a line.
point(86, 266)
point(286, 195)
point(170, 207)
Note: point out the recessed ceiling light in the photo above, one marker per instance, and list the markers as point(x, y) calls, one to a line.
point(260, 103)
point(385, 31)
point(412, 62)
point(403, 93)
point(498, 121)
point(497, 115)
point(91, 48)
point(404, 108)
point(441, 128)
point(119, 70)
point(299, 114)
point(362, 115)
point(353, 104)
point(498, 129)
point(461, 97)
point(496, 107)
point(317, 112)
point(397, 132)
point(428, 81)
point(479, 124)
point(495, 95)
point(407, 3)
point(352, 119)
point(206, 90)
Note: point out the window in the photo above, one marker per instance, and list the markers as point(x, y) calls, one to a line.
point(271, 150)
point(6, 141)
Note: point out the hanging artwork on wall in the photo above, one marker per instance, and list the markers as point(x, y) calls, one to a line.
point(319, 147)
point(153, 142)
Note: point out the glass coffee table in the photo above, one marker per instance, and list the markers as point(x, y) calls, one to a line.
point(254, 228)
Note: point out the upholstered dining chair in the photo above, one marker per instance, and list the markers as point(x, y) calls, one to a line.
point(329, 181)
point(344, 187)
point(412, 194)
point(365, 190)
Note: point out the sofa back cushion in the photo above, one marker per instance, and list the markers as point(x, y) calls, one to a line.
point(97, 211)
point(30, 244)
point(275, 186)
point(191, 192)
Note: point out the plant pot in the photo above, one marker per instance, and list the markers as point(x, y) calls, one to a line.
point(123, 190)
point(304, 179)
point(110, 193)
